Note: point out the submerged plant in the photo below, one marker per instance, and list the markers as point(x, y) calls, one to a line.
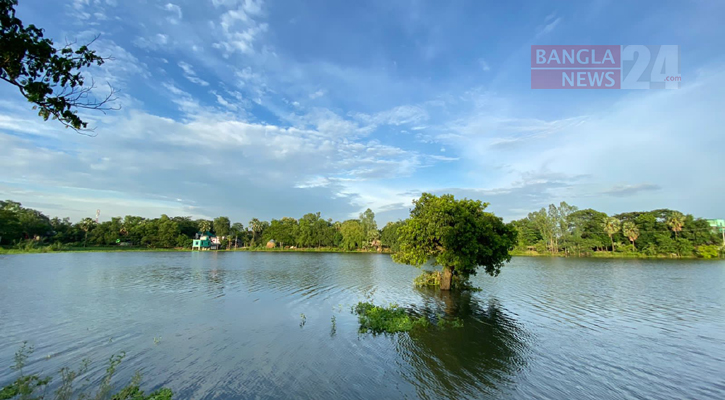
point(333, 329)
point(433, 279)
point(391, 319)
point(34, 387)
point(449, 323)
point(303, 320)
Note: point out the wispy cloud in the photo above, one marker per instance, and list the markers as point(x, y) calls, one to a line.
point(191, 75)
point(631, 190)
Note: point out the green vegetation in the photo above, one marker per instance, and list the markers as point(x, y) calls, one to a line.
point(391, 319)
point(34, 387)
point(394, 319)
point(24, 230)
point(456, 234)
point(49, 78)
point(472, 236)
point(568, 231)
point(432, 279)
point(453, 323)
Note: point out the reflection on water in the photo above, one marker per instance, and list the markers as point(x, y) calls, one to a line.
point(479, 359)
point(230, 326)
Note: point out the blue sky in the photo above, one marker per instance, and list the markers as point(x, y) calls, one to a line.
point(278, 108)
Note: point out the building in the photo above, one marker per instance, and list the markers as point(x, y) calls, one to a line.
point(718, 225)
point(206, 241)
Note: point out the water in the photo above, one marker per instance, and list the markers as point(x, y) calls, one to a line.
point(229, 326)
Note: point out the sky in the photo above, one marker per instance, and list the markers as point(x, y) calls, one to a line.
point(270, 108)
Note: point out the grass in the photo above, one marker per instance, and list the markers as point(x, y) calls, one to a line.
point(58, 248)
point(307, 250)
point(595, 254)
point(34, 387)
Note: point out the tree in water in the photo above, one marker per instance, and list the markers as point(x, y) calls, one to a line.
point(611, 226)
point(631, 231)
point(49, 78)
point(456, 234)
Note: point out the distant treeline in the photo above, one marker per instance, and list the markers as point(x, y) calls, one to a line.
point(26, 229)
point(558, 230)
point(570, 231)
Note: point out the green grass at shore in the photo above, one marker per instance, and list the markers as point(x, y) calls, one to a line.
point(598, 254)
point(122, 249)
point(306, 250)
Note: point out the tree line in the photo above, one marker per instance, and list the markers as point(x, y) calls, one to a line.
point(568, 230)
point(26, 228)
point(559, 230)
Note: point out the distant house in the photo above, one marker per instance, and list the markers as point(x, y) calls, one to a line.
point(206, 241)
point(718, 225)
point(271, 244)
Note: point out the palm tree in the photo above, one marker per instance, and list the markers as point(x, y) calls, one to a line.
point(255, 226)
point(204, 226)
point(631, 231)
point(611, 226)
point(86, 225)
point(676, 221)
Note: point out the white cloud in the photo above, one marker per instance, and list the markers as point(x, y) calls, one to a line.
point(484, 65)
point(190, 74)
point(317, 94)
point(176, 13)
point(239, 26)
point(549, 27)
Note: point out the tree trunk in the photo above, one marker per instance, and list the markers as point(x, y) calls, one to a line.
point(446, 278)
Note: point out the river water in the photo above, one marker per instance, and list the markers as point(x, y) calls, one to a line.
point(231, 326)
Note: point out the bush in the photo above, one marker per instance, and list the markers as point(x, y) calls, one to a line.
point(391, 319)
point(433, 279)
point(428, 279)
point(708, 251)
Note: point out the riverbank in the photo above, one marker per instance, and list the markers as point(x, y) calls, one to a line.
point(122, 249)
point(601, 254)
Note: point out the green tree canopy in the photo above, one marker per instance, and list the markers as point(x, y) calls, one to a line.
point(456, 234)
point(353, 234)
point(222, 226)
point(48, 77)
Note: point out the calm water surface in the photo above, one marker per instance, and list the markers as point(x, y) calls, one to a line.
point(229, 326)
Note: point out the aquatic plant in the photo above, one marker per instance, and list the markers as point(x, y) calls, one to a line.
point(303, 320)
point(390, 319)
point(449, 323)
point(433, 279)
point(333, 329)
point(34, 387)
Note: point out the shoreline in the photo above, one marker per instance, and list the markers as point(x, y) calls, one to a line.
point(106, 249)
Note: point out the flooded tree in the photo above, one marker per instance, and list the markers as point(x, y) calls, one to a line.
point(455, 234)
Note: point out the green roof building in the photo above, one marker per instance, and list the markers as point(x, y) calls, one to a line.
point(717, 224)
point(205, 241)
